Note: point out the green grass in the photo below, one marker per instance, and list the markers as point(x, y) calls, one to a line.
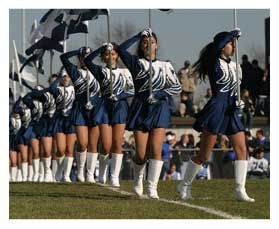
point(88, 201)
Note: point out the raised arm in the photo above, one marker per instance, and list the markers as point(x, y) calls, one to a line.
point(71, 68)
point(131, 61)
point(53, 88)
point(95, 69)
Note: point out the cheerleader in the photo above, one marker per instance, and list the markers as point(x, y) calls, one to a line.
point(149, 115)
point(46, 128)
point(114, 109)
point(84, 111)
point(63, 129)
point(221, 114)
point(14, 126)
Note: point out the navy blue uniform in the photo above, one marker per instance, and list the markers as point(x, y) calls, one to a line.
point(220, 114)
point(36, 108)
point(112, 112)
point(14, 127)
point(64, 99)
point(144, 116)
point(46, 121)
point(81, 116)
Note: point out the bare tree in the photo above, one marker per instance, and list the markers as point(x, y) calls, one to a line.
point(120, 31)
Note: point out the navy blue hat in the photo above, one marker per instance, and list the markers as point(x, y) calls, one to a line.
point(219, 37)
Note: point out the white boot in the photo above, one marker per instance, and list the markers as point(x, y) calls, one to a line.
point(47, 170)
point(81, 164)
point(154, 171)
point(36, 166)
point(59, 172)
point(184, 188)
point(139, 171)
point(240, 171)
point(53, 169)
point(91, 160)
point(67, 166)
point(30, 173)
point(116, 162)
point(24, 167)
point(103, 168)
point(13, 174)
point(19, 174)
point(41, 172)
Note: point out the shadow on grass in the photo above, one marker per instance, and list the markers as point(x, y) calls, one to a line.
point(94, 196)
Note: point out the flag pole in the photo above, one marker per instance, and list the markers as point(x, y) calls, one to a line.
point(23, 38)
point(64, 51)
point(149, 50)
point(18, 67)
point(37, 61)
point(13, 78)
point(51, 54)
point(236, 59)
point(110, 67)
point(23, 31)
point(87, 75)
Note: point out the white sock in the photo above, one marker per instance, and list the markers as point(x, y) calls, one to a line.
point(53, 168)
point(24, 166)
point(103, 167)
point(41, 172)
point(36, 166)
point(154, 171)
point(13, 174)
point(19, 174)
point(91, 160)
point(47, 170)
point(116, 162)
point(59, 172)
point(30, 173)
point(67, 166)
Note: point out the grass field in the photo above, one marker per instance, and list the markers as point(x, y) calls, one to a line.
point(91, 201)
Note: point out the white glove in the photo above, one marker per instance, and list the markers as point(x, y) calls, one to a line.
point(147, 32)
point(113, 98)
point(240, 104)
point(236, 32)
point(109, 47)
point(89, 106)
point(151, 99)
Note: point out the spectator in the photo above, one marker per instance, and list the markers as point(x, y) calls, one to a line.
point(204, 172)
point(250, 143)
point(262, 101)
point(246, 68)
point(205, 99)
point(258, 168)
point(172, 174)
point(262, 141)
point(188, 81)
point(170, 138)
point(255, 81)
point(127, 165)
point(248, 109)
point(182, 152)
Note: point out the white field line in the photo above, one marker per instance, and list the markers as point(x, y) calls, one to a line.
point(204, 209)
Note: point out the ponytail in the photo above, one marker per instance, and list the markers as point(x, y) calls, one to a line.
point(204, 65)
